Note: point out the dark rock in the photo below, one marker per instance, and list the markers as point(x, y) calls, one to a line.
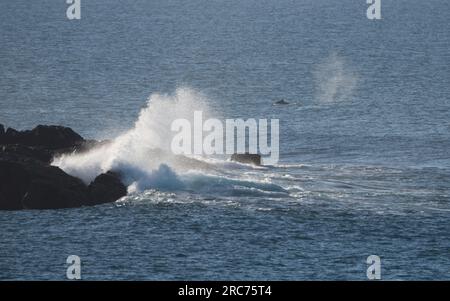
point(51, 137)
point(14, 182)
point(52, 188)
point(82, 147)
point(33, 185)
point(10, 136)
point(254, 159)
point(106, 188)
point(281, 102)
point(21, 152)
point(87, 145)
point(2, 133)
point(27, 181)
point(90, 144)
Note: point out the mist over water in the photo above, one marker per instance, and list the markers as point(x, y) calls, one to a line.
point(335, 80)
point(364, 166)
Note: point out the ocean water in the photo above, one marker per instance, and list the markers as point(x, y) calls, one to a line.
point(364, 143)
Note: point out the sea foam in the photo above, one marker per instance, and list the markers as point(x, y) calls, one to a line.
point(143, 158)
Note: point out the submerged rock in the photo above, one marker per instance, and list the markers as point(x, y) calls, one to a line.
point(254, 159)
point(28, 181)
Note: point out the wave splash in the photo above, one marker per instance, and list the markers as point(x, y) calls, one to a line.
point(143, 158)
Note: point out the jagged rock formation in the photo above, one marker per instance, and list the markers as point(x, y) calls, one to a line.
point(28, 181)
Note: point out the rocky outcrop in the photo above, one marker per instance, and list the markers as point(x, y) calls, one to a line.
point(254, 159)
point(46, 136)
point(33, 185)
point(28, 181)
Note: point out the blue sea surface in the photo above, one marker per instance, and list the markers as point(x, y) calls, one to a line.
point(364, 142)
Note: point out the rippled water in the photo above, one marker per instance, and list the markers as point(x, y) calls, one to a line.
point(364, 166)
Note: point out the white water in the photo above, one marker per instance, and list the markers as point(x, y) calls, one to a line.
point(144, 159)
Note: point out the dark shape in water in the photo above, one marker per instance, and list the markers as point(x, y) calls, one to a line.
point(247, 158)
point(281, 102)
